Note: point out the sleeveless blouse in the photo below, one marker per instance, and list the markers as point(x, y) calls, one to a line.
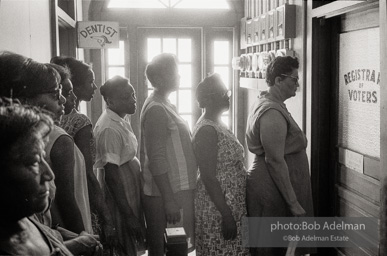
point(80, 181)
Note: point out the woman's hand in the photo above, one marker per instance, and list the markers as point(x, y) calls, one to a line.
point(109, 233)
point(135, 229)
point(88, 244)
point(297, 210)
point(229, 228)
point(172, 212)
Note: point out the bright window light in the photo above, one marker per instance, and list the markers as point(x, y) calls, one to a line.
point(185, 103)
point(116, 55)
point(223, 72)
point(225, 120)
point(184, 45)
point(203, 4)
point(116, 71)
point(185, 72)
point(135, 4)
point(187, 4)
point(221, 50)
point(154, 48)
point(169, 45)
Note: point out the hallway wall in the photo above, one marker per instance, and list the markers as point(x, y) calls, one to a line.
point(25, 28)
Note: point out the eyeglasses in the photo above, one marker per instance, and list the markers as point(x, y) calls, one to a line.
point(57, 93)
point(227, 93)
point(294, 77)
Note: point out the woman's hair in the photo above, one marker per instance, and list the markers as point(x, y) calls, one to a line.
point(278, 66)
point(23, 78)
point(112, 86)
point(79, 70)
point(18, 123)
point(159, 66)
point(206, 86)
point(63, 71)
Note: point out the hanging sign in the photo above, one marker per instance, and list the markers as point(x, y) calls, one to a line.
point(359, 94)
point(98, 34)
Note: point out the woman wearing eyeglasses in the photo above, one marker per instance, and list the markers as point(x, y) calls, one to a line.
point(220, 197)
point(278, 182)
point(39, 85)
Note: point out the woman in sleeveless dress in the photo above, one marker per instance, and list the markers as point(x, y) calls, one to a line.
point(220, 196)
point(278, 182)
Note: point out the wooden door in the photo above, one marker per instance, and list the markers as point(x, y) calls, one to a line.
point(346, 119)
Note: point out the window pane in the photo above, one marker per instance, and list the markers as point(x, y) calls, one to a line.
point(224, 74)
point(83, 107)
point(173, 2)
point(185, 72)
point(154, 48)
point(116, 56)
point(149, 85)
point(203, 4)
point(184, 50)
point(172, 98)
point(149, 92)
point(225, 120)
point(185, 101)
point(114, 71)
point(169, 45)
point(221, 50)
point(135, 4)
point(188, 119)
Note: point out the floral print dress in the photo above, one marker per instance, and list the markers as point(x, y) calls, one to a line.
point(231, 174)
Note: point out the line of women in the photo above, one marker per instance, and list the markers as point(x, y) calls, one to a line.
point(100, 187)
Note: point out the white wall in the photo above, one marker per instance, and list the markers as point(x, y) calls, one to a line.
point(25, 28)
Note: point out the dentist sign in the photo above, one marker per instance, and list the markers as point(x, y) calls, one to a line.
point(98, 34)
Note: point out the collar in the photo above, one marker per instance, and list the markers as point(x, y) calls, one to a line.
point(268, 95)
point(113, 115)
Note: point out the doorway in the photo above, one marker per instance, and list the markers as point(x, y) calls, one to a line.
point(345, 119)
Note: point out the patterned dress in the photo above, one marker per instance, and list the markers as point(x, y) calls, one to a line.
point(75, 121)
point(231, 174)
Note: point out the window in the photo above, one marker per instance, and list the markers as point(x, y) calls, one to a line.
point(221, 65)
point(187, 4)
point(116, 61)
point(181, 47)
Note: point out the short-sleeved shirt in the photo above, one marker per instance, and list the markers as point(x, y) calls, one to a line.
point(182, 171)
point(117, 144)
point(115, 140)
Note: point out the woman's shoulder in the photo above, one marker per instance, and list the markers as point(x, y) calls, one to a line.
point(208, 125)
point(74, 121)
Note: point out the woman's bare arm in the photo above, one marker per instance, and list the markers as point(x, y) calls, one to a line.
point(206, 152)
point(273, 130)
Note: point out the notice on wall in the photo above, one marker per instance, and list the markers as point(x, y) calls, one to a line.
point(98, 34)
point(351, 160)
point(359, 93)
